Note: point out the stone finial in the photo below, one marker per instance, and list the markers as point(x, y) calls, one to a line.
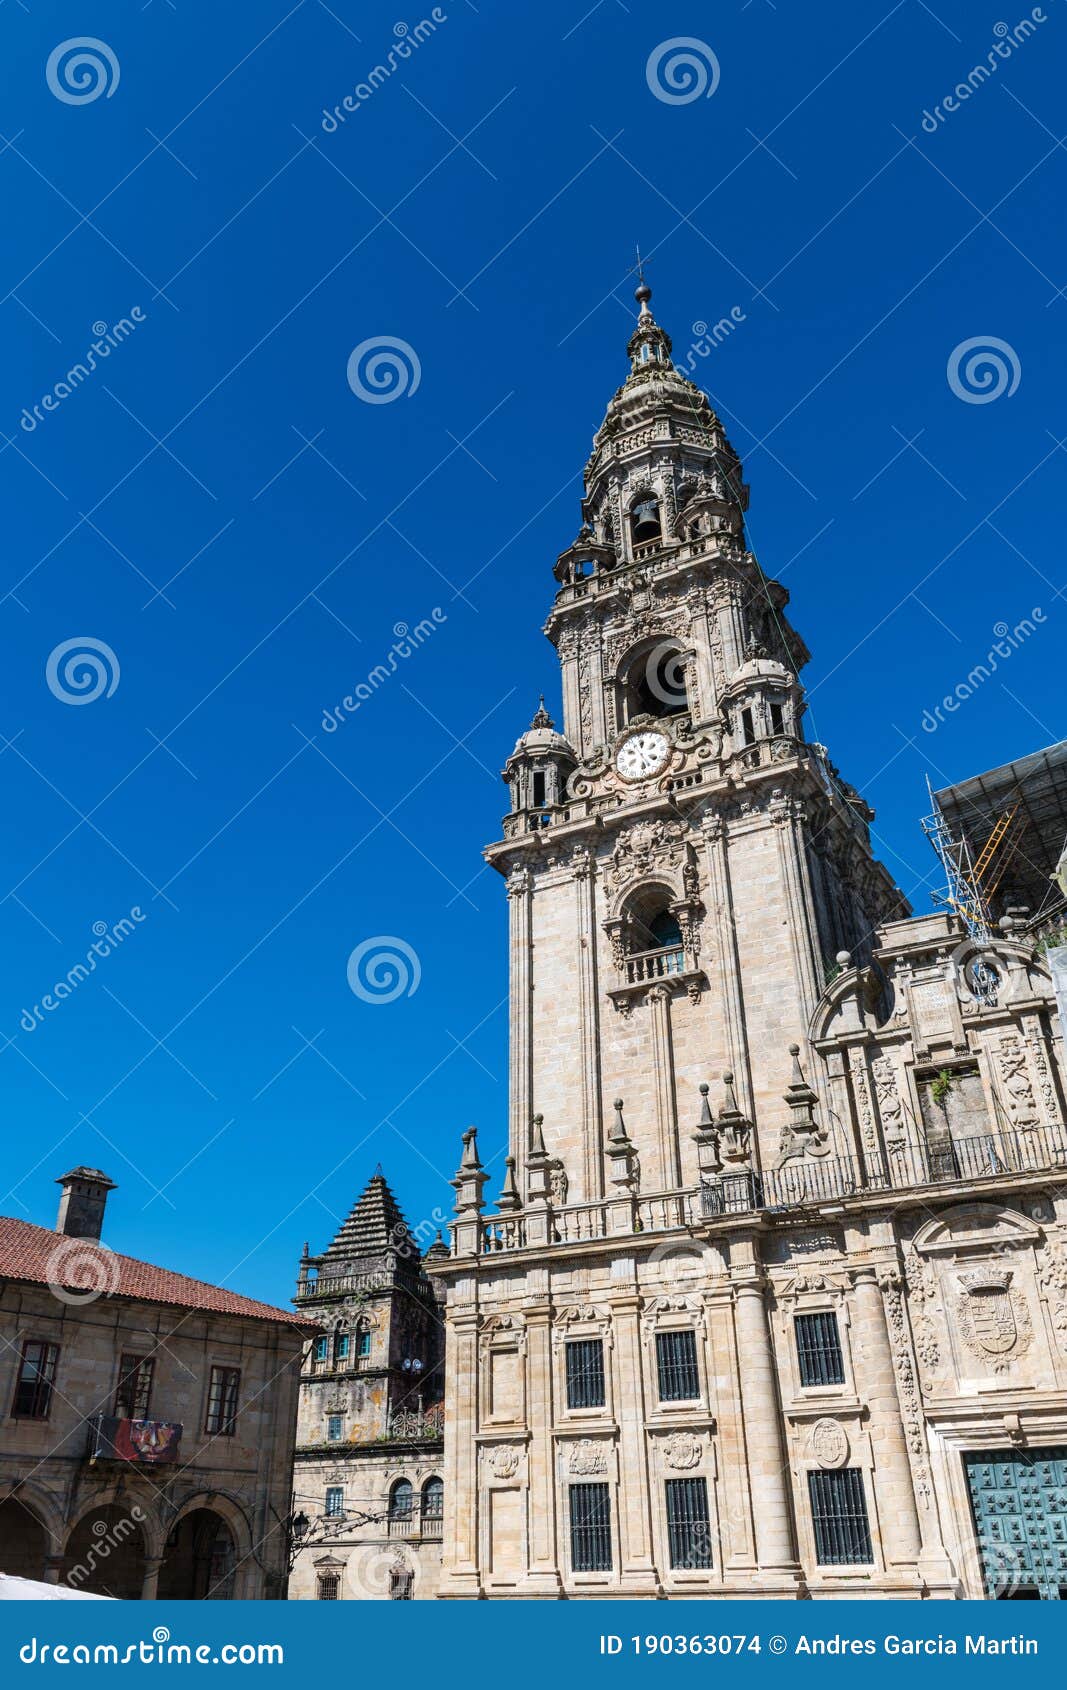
point(539, 1165)
point(734, 1126)
point(509, 1196)
point(802, 1134)
point(706, 1117)
point(470, 1176)
point(537, 1137)
point(618, 1126)
point(844, 959)
point(542, 719)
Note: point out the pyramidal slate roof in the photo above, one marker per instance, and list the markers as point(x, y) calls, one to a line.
point(375, 1225)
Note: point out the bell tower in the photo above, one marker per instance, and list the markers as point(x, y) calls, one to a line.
point(685, 871)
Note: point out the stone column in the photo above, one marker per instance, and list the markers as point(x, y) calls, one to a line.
point(876, 1384)
point(150, 1582)
point(787, 817)
point(659, 1008)
point(543, 1573)
point(592, 1170)
point(520, 1025)
point(460, 1575)
point(635, 1559)
point(768, 1462)
point(53, 1566)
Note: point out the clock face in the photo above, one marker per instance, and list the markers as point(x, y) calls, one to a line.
point(642, 755)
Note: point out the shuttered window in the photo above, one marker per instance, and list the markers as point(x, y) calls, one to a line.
point(590, 1529)
point(676, 1361)
point(688, 1525)
point(585, 1373)
point(819, 1349)
point(839, 1515)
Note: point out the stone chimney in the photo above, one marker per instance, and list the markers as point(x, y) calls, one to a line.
point(82, 1205)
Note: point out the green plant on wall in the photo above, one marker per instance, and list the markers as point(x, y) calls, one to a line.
point(941, 1086)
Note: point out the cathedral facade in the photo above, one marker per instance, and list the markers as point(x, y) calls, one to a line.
point(773, 1301)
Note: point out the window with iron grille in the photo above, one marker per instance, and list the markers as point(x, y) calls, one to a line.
point(400, 1582)
point(134, 1390)
point(590, 1529)
point(329, 1587)
point(335, 1502)
point(839, 1515)
point(819, 1349)
point(676, 1362)
point(688, 1523)
point(585, 1373)
point(37, 1371)
point(221, 1418)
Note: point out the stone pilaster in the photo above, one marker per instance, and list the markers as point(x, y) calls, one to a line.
point(636, 1562)
point(592, 1170)
point(659, 1009)
point(728, 971)
point(543, 1577)
point(877, 1384)
point(520, 1019)
point(459, 1573)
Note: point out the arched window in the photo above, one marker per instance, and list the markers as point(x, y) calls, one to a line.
point(433, 1499)
point(654, 681)
point(363, 1343)
point(652, 935)
point(644, 519)
point(401, 1500)
point(340, 1346)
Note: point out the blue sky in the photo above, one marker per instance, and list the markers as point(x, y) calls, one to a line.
point(218, 507)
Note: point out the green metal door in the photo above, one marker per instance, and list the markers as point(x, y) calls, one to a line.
point(1019, 1498)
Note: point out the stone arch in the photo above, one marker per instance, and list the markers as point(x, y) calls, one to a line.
point(208, 1553)
point(975, 1227)
point(106, 1551)
point(652, 678)
point(26, 1542)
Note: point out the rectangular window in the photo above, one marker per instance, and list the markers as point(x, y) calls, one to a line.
point(364, 1343)
point(676, 1362)
point(538, 790)
point(322, 1349)
point(747, 728)
point(222, 1402)
point(134, 1391)
point(839, 1515)
point(37, 1372)
point(335, 1502)
point(819, 1349)
point(329, 1587)
point(400, 1582)
point(688, 1525)
point(590, 1529)
point(335, 1428)
point(776, 718)
point(585, 1373)
point(340, 1348)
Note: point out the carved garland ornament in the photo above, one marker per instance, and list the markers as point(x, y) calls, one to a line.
point(907, 1385)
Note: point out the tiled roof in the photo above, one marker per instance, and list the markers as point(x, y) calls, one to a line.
point(42, 1257)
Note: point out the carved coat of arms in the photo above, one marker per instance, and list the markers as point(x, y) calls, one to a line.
point(993, 1317)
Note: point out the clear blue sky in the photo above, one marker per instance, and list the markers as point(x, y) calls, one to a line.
point(216, 505)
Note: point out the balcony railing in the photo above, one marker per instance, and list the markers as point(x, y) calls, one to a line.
point(805, 1183)
point(654, 965)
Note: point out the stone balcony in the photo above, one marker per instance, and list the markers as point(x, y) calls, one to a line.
point(795, 1190)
